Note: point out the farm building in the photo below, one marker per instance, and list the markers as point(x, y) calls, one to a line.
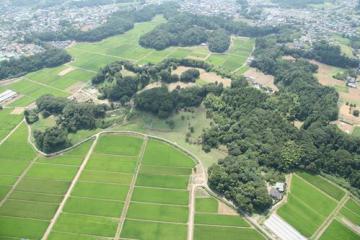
point(7, 96)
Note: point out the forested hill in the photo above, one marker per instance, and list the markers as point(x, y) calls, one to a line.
point(19, 67)
point(185, 29)
point(262, 142)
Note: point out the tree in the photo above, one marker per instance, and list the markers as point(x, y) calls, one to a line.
point(190, 75)
point(356, 113)
point(219, 41)
point(51, 140)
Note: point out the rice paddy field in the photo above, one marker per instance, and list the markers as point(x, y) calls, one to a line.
point(317, 208)
point(213, 222)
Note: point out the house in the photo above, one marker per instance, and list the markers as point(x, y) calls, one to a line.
point(280, 186)
point(7, 96)
point(276, 194)
point(351, 82)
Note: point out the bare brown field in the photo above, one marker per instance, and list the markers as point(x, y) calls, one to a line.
point(75, 87)
point(325, 75)
point(224, 209)
point(261, 78)
point(17, 111)
point(209, 77)
point(66, 71)
point(344, 126)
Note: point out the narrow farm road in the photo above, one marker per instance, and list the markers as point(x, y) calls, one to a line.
point(131, 190)
point(72, 185)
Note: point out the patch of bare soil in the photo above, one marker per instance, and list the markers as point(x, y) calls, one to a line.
point(289, 58)
point(344, 126)
point(298, 124)
point(345, 115)
point(224, 209)
point(173, 86)
point(75, 87)
point(66, 71)
point(325, 75)
point(9, 81)
point(261, 78)
point(209, 77)
point(17, 111)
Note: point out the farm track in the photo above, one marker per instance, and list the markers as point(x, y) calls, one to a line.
point(130, 192)
point(72, 185)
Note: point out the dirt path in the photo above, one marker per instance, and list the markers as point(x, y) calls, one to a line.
point(45, 85)
point(130, 192)
point(67, 194)
point(330, 218)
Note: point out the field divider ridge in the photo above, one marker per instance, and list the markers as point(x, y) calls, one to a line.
point(67, 194)
point(131, 190)
point(11, 132)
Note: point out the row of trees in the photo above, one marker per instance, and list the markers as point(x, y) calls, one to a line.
point(18, 67)
point(185, 29)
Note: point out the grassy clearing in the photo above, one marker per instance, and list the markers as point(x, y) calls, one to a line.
point(165, 213)
point(158, 153)
point(52, 172)
point(36, 197)
point(153, 231)
point(306, 207)
point(214, 233)
point(155, 170)
point(351, 211)
point(73, 236)
point(172, 182)
point(100, 190)
point(154, 195)
point(223, 220)
point(97, 207)
point(101, 162)
point(20, 228)
point(84, 224)
point(206, 205)
point(106, 177)
point(338, 231)
point(36, 210)
point(119, 145)
point(324, 185)
point(51, 77)
point(8, 121)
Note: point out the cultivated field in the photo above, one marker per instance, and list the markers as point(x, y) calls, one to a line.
point(319, 209)
point(213, 222)
point(38, 189)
